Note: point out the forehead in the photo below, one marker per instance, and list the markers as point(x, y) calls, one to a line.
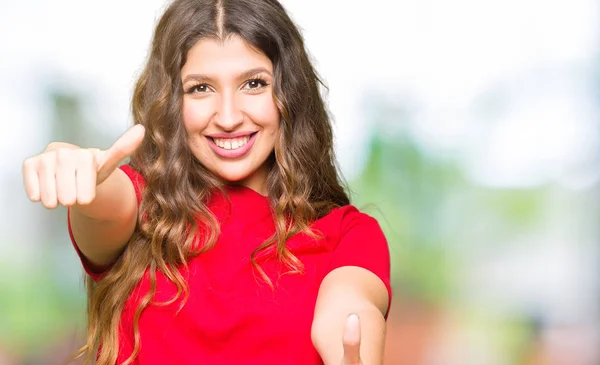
point(234, 55)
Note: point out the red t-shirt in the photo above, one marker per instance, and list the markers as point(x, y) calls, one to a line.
point(231, 315)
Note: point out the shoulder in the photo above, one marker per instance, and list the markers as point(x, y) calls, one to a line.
point(136, 178)
point(347, 218)
point(350, 232)
point(358, 242)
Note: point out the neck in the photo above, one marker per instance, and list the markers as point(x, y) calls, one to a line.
point(258, 180)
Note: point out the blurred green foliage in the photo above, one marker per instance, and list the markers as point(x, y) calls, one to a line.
point(404, 190)
point(38, 310)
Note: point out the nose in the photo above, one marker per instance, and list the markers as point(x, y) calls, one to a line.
point(229, 116)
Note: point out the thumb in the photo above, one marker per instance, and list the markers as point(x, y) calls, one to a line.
point(351, 341)
point(123, 147)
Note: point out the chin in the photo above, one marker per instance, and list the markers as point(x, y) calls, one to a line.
point(233, 176)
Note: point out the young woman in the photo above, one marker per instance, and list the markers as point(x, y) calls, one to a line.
point(227, 238)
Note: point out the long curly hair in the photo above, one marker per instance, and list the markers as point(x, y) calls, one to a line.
point(303, 183)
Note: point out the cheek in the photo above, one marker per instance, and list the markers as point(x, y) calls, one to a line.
point(196, 114)
point(264, 112)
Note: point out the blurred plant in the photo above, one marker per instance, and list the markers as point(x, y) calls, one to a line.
point(407, 191)
point(44, 300)
point(434, 218)
point(430, 211)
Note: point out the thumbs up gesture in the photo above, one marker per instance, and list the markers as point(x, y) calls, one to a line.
point(66, 174)
point(351, 341)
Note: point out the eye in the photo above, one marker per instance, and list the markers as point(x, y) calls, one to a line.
point(255, 84)
point(198, 89)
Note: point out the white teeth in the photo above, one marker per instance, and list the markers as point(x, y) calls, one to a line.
point(231, 143)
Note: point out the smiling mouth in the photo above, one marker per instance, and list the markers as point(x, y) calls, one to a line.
point(232, 143)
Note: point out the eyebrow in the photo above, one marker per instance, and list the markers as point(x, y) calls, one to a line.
point(244, 75)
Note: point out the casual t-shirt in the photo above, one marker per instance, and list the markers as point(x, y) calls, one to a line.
point(231, 315)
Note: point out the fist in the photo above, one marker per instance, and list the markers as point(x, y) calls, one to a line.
point(66, 174)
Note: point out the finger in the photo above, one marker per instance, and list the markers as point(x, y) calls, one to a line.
point(31, 179)
point(351, 340)
point(85, 178)
point(53, 146)
point(47, 176)
point(124, 147)
point(66, 188)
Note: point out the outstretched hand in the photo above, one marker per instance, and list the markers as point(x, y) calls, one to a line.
point(351, 341)
point(66, 174)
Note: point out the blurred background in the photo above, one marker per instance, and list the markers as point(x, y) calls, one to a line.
point(469, 128)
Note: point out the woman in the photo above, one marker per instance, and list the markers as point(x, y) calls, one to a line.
point(228, 237)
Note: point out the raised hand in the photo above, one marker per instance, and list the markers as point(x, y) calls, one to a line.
point(351, 341)
point(66, 174)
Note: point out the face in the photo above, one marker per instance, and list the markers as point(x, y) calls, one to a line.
point(229, 111)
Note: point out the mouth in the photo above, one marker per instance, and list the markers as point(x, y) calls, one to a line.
point(232, 146)
point(232, 143)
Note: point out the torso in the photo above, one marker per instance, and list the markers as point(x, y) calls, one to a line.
point(231, 315)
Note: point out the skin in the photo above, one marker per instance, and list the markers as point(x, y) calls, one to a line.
point(227, 89)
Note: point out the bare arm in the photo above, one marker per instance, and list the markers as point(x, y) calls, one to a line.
point(345, 291)
point(103, 227)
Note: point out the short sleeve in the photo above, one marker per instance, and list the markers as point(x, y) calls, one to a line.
point(137, 180)
point(362, 243)
point(96, 273)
